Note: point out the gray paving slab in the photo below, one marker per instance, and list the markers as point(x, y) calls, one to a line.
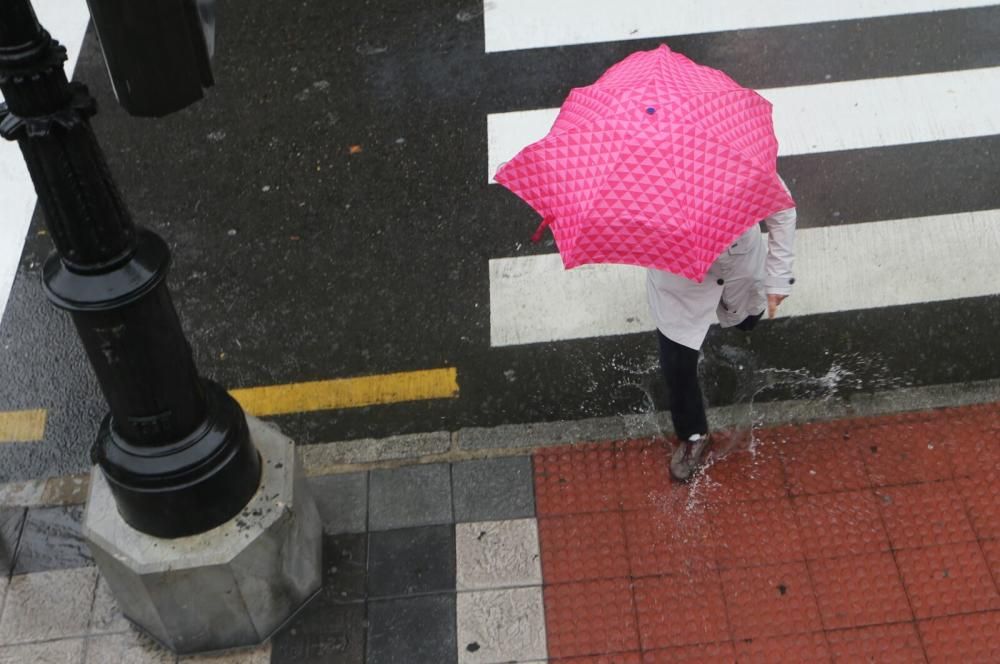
point(493, 489)
point(342, 501)
point(410, 496)
point(411, 561)
point(501, 626)
point(48, 605)
point(412, 629)
point(497, 554)
point(129, 647)
point(259, 655)
point(51, 539)
point(22, 494)
point(107, 617)
point(66, 651)
point(322, 635)
point(11, 520)
point(345, 569)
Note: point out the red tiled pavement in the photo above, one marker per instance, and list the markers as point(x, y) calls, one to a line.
point(744, 476)
point(981, 497)
point(617, 658)
point(709, 653)
point(872, 539)
point(570, 552)
point(914, 452)
point(920, 514)
point(970, 638)
point(886, 644)
point(680, 610)
point(660, 544)
point(794, 649)
point(837, 581)
point(574, 480)
point(590, 618)
point(760, 533)
point(823, 466)
point(947, 580)
point(840, 524)
point(770, 601)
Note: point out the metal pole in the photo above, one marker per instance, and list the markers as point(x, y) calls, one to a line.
point(174, 447)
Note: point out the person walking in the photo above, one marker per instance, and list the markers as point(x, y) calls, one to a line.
point(668, 165)
point(749, 278)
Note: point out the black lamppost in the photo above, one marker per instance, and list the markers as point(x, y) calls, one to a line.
point(175, 447)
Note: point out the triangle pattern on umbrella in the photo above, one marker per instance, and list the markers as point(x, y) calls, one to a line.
point(660, 163)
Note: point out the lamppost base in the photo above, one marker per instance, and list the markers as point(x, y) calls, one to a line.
point(190, 486)
point(229, 587)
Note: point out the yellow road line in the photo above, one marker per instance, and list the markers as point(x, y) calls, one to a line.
point(22, 426)
point(348, 392)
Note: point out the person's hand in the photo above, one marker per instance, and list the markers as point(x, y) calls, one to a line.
point(772, 303)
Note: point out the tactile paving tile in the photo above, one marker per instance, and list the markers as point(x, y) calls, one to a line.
point(580, 547)
point(981, 496)
point(885, 644)
point(576, 479)
point(680, 610)
point(832, 430)
point(859, 591)
point(905, 453)
point(747, 475)
point(642, 473)
point(991, 549)
point(966, 639)
point(823, 466)
point(754, 534)
point(709, 653)
point(668, 542)
point(924, 514)
point(770, 601)
point(840, 524)
point(794, 649)
point(972, 438)
point(590, 618)
point(947, 580)
point(616, 658)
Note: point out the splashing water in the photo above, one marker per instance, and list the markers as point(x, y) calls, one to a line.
point(744, 417)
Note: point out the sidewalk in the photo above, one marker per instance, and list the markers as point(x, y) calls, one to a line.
point(865, 539)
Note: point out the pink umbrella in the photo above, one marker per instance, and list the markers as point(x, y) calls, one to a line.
point(661, 163)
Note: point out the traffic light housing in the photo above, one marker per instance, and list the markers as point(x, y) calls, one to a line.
point(158, 52)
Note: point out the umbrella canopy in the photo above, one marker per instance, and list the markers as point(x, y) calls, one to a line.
point(661, 163)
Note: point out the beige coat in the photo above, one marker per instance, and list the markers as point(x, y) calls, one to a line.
point(735, 287)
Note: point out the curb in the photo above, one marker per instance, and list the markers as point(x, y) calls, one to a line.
point(519, 439)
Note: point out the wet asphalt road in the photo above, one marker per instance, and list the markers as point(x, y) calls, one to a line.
point(298, 258)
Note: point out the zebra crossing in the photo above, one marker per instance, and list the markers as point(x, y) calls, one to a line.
point(364, 237)
point(524, 24)
point(841, 265)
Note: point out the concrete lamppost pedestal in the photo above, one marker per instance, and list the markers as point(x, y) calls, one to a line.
point(199, 517)
point(229, 587)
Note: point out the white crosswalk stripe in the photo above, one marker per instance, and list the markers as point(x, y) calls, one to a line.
point(839, 268)
point(847, 115)
point(842, 267)
point(66, 20)
point(523, 24)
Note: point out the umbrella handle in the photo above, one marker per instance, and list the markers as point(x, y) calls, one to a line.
point(537, 237)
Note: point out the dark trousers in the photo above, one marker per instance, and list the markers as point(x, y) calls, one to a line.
point(680, 368)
